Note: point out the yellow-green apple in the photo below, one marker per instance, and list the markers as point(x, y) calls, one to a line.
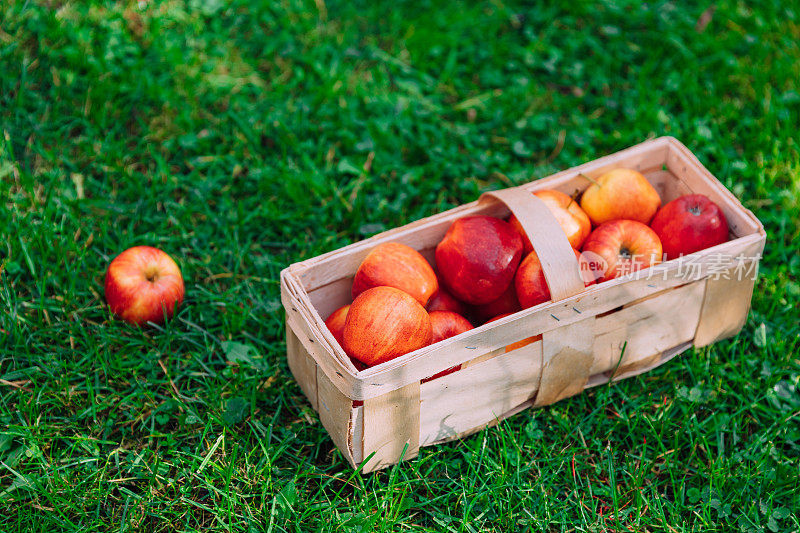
point(446, 324)
point(519, 344)
point(689, 224)
point(478, 257)
point(396, 265)
point(143, 284)
point(530, 282)
point(335, 322)
point(384, 323)
point(505, 305)
point(567, 212)
point(442, 300)
point(621, 193)
point(624, 246)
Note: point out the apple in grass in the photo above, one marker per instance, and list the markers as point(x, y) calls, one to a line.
point(572, 219)
point(689, 224)
point(384, 323)
point(477, 258)
point(623, 246)
point(531, 285)
point(143, 284)
point(621, 193)
point(396, 265)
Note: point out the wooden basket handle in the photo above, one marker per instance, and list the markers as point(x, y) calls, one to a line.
point(559, 264)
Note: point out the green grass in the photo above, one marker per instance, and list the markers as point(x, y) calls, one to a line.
point(243, 136)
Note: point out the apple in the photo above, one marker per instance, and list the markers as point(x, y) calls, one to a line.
point(143, 284)
point(442, 300)
point(505, 305)
point(477, 258)
point(621, 193)
point(519, 344)
point(530, 282)
point(335, 322)
point(396, 265)
point(524, 342)
point(446, 324)
point(358, 364)
point(384, 323)
point(443, 373)
point(689, 224)
point(624, 246)
point(567, 212)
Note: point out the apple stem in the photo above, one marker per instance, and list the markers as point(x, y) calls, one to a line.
point(573, 197)
point(581, 174)
point(151, 274)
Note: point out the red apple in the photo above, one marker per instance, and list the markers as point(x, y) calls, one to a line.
point(567, 212)
point(442, 300)
point(621, 193)
point(531, 285)
point(478, 257)
point(519, 344)
point(689, 224)
point(396, 265)
point(446, 324)
point(384, 323)
point(358, 364)
point(498, 317)
point(505, 305)
point(624, 246)
point(524, 342)
point(443, 373)
point(335, 322)
point(143, 284)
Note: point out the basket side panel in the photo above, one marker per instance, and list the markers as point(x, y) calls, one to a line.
point(726, 303)
point(639, 368)
point(336, 414)
point(391, 427)
point(302, 366)
point(566, 362)
point(669, 187)
point(636, 334)
point(468, 400)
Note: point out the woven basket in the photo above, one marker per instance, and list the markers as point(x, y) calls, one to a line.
point(609, 331)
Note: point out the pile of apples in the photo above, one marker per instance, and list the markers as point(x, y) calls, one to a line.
point(487, 268)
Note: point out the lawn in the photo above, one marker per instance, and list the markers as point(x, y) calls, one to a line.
point(241, 136)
